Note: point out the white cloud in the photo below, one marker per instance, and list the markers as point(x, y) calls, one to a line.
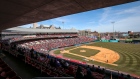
point(123, 25)
point(61, 19)
point(105, 15)
point(130, 10)
point(130, 23)
point(125, 20)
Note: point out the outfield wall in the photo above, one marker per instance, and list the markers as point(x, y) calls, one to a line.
point(113, 40)
point(131, 41)
point(109, 40)
point(136, 41)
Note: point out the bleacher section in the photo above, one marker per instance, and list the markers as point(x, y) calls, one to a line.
point(41, 36)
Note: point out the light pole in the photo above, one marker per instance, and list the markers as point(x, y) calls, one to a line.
point(113, 29)
point(63, 24)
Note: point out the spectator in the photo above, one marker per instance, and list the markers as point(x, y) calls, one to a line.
point(79, 73)
point(41, 58)
point(88, 68)
point(98, 69)
point(103, 71)
point(52, 62)
point(1, 69)
point(48, 56)
point(62, 63)
point(88, 75)
point(58, 63)
point(121, 76)
point(71, 70)
point(128, 77)
point(32, 50)
point(66, 65)
point(3, 75)
point(35, 54)
point(32, 55)
point(93, 69)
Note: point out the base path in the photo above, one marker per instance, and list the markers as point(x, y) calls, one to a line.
point(105, 55)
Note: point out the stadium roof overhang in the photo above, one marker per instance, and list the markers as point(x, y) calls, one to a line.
point(19, 12)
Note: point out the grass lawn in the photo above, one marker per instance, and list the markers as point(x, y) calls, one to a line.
point(72, 56)
point(91, 62)
point(87, 53)
point(70, 48)
point(57, 51)
point(129, 56)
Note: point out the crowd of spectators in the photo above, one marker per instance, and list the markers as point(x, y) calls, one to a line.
point(57, 35)
point(51, 65)
point(41, 36)
point(49, 44)
point(55, 67)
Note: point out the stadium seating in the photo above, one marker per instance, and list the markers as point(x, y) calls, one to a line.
point(46, 45)
point(41, 36)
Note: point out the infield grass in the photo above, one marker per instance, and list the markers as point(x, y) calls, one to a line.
point(87, 53)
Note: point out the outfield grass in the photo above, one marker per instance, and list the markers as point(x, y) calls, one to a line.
point(87, 53)
point(70, 48)
point(129, 56)
point(57, 51)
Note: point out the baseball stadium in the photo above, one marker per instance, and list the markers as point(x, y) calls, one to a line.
point(106, 57)
point(54, 53)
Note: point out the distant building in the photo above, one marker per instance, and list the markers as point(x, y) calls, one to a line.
point(95, 33)
point(35, 25)
point(84, 32)
point(47, 27)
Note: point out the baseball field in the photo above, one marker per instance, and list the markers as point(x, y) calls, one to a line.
point(117, 56)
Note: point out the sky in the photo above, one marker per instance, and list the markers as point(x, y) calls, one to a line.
point(126, 17)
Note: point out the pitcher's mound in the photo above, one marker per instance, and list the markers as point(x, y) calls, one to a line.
point(82, 50)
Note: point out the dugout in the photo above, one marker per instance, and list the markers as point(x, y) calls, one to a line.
point(136, 41)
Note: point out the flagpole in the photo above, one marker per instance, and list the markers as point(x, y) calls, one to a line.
point(63, 24)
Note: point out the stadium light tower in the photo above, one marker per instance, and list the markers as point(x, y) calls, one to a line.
point(113, 29)
point(63, 24)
